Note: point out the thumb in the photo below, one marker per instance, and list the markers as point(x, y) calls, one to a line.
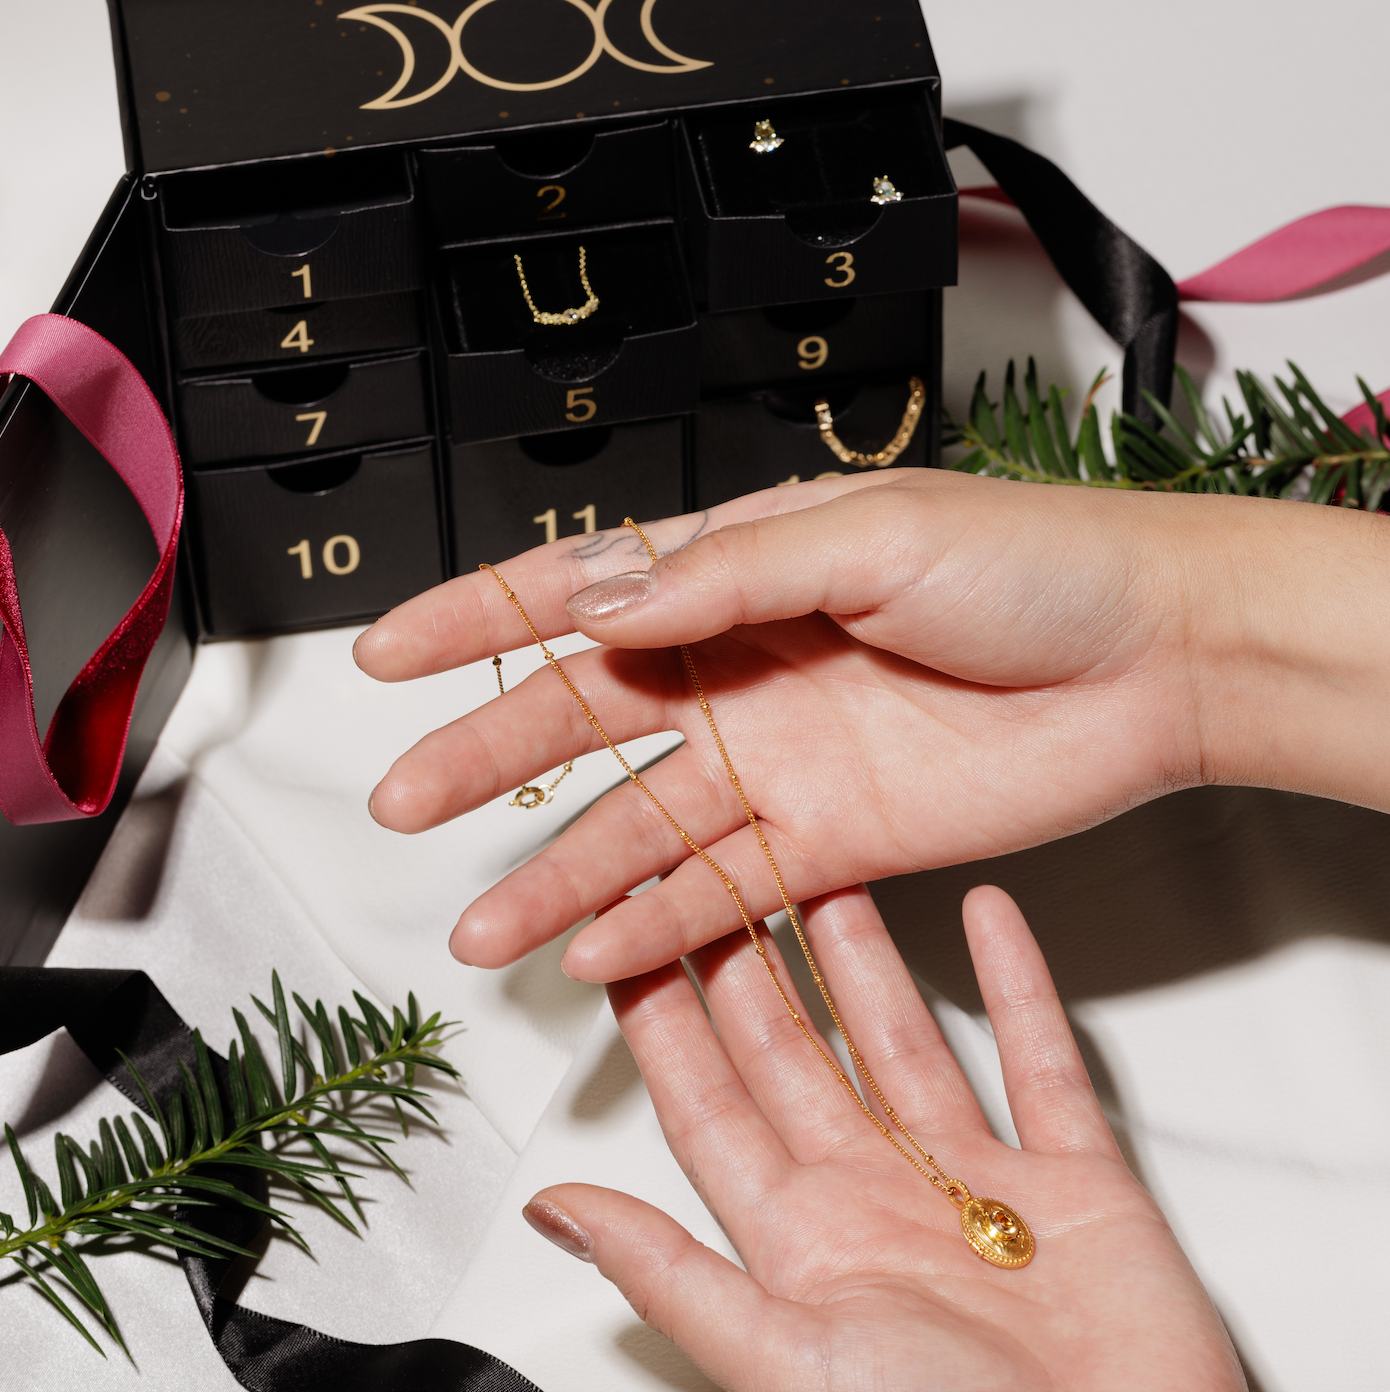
point(710, 1309)
point(833, 556)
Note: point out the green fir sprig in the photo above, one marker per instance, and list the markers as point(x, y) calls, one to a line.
point(132, 1182)
point(1286, 443)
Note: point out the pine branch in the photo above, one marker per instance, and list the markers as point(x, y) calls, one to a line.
point(118, 1187)
point(1286, 443)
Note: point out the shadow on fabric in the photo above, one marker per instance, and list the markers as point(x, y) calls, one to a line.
point(1192, 882)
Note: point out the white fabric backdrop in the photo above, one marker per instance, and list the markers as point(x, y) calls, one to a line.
point(1253, 1096)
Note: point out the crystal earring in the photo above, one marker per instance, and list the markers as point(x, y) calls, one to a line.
point(765, 139)
point(884, 191)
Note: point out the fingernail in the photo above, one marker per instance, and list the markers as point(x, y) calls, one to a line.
point(612, 598)
point(371, 807)
point(551, 1221)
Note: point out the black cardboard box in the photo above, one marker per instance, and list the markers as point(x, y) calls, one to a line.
point(312, 542)
point(288, 233)
point(802, 343)
point(637, 356)
point(560, 176)
point(507, 496)
point(274, 213)
point(769, 438)
point(813, 219)
point(319, 406)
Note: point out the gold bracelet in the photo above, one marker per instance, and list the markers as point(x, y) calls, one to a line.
point(890, 451)
point(993, 1229)
point(565, 316)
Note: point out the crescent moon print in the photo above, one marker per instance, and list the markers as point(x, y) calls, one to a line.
point(458, 62)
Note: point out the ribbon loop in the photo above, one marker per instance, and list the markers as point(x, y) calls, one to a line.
point(73, 772)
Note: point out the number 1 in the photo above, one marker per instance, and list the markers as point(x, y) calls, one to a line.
point(547, 520)
point(308, 286)
point(587, 516)
point(306, 566)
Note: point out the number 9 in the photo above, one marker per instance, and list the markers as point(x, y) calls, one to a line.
point(812, 352)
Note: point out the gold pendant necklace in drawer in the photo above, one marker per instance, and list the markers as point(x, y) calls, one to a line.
point(565, 316)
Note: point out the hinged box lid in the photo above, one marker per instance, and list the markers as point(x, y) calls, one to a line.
point(211, 82)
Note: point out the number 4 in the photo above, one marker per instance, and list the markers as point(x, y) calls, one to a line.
point(298, 337)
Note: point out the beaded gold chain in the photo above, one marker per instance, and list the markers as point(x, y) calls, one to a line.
point(993, 1229)
point(565, 316)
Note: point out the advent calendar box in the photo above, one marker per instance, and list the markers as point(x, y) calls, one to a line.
point(313, 261)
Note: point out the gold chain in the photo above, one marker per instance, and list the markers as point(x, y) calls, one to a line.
point(565, 316)
point(954, 1189)
point(906, 430)
point(533, 794)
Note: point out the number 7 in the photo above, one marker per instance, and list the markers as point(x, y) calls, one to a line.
point(318, 418)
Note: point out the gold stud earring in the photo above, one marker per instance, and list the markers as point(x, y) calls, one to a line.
point(765, 140)
point(884, 191)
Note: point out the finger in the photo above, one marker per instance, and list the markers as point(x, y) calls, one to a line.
point(719, 1136)
point(787, 1074)
point(471, 617)
point(845, 556)
point(618, 843)
point(715, 1313)
point(1050, 1095)
point(692, 906)
point(536, 726)
point(885, 1015)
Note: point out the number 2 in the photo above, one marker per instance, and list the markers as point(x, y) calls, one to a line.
point(549, 214)
point(303, 273)
point(843, 261)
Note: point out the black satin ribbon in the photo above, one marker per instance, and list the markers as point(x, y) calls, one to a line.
point(1127, 292)
point(106, 1011)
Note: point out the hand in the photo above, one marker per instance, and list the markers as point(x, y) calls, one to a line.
point(910, 669)
point(857, 1275)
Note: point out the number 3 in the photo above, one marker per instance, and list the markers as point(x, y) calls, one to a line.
point(843, 262)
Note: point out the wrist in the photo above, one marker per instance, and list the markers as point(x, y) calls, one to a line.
point(1288, 616)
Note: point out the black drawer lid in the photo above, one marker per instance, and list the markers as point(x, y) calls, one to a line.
point(210, 83)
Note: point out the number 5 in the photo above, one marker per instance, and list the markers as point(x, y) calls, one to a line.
point(582, 407)
point(843, 262)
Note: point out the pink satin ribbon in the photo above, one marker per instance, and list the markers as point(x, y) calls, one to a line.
point(73, 772)
point(1311, 255)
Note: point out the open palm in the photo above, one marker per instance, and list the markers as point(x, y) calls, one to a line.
point(899, 688)
point(857, 1274)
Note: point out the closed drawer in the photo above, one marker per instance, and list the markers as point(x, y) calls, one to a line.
point(802, 343)
point(561, 177)
point(743, 444)
point(294, 333)
point(510, 495)
point(636, 356)
point(312, 543)
point(288, 232)
point(799, 223)
point(323, 406)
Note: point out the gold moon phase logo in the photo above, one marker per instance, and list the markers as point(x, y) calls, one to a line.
point(458, 62)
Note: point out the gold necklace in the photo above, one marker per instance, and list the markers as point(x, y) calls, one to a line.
point(533, 794)
point(917, 395)
point(565, 316)
point(992, 1228)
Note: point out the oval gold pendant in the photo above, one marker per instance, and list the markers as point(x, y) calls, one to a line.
point(996, 1232)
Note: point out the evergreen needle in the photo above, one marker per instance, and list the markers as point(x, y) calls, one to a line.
point(1286, 443)
point(241, 1126)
